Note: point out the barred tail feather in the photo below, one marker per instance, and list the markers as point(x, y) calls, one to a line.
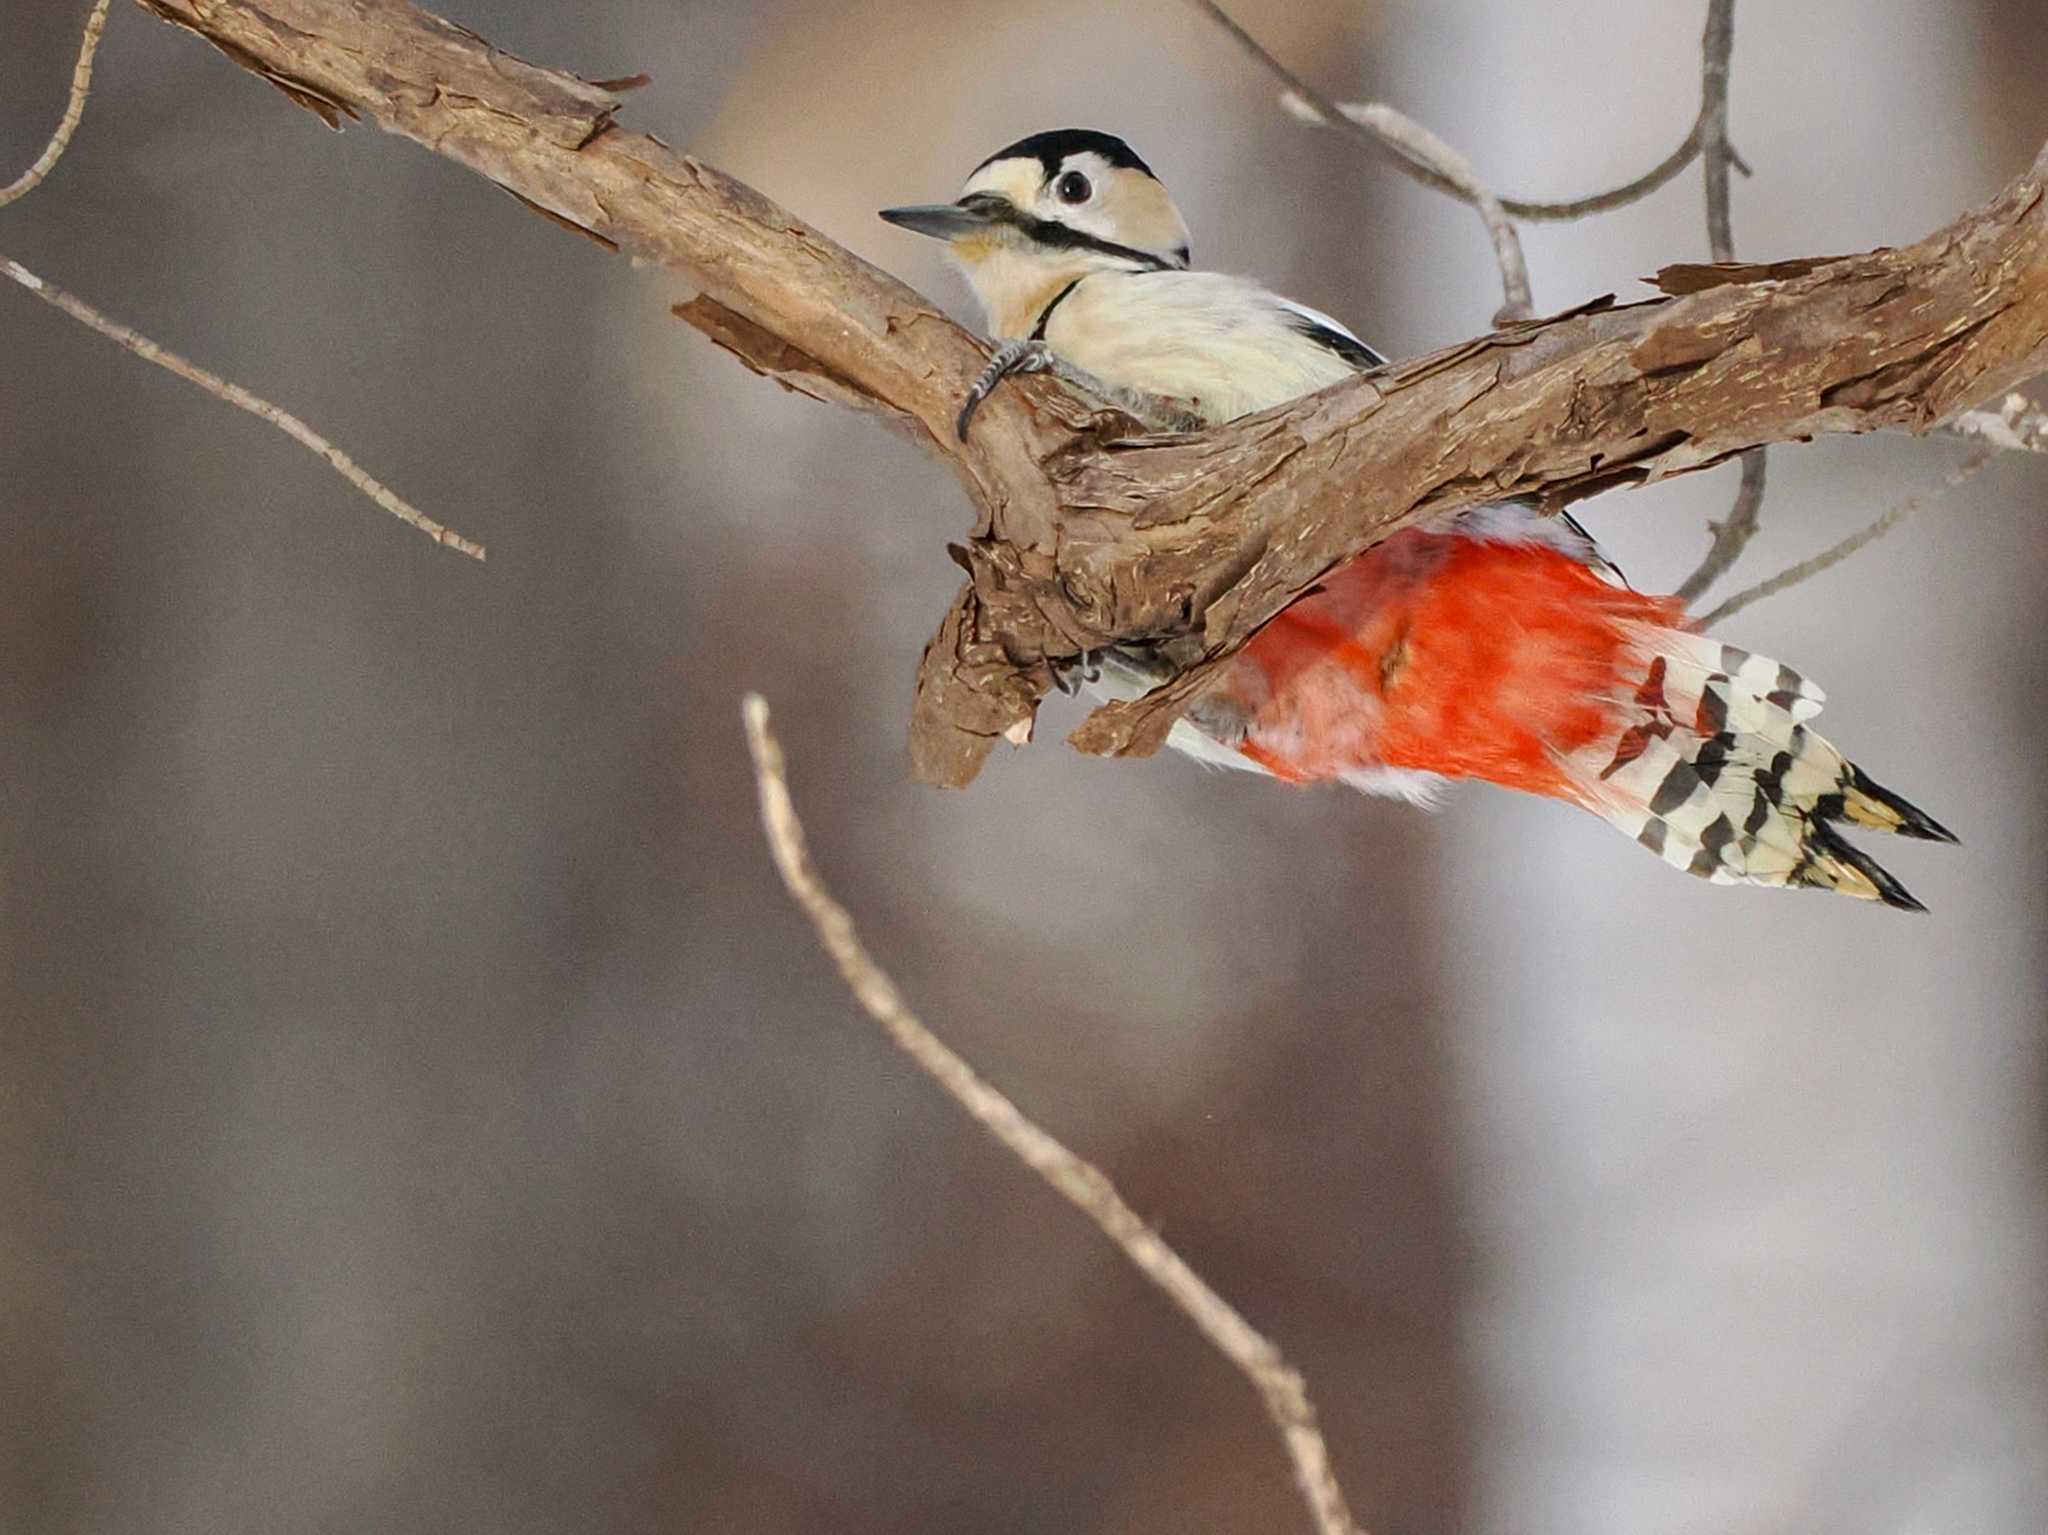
point(1873, 805)
point(1714, 769)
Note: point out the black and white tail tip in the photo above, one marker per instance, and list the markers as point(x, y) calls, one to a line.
point(1717, 773)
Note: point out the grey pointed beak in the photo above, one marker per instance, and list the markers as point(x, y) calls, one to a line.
point(942, 221)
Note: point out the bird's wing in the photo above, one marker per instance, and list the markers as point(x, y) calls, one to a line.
point(1324, 331)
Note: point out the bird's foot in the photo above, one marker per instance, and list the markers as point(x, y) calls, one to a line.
point(1155, 413)
point(1011, 357)
point(1071, 673)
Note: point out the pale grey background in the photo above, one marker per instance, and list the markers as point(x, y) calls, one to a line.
point(420, 1109)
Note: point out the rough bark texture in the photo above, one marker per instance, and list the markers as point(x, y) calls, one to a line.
point(1089, 533)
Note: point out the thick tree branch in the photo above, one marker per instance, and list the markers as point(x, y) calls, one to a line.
point(1087, 535)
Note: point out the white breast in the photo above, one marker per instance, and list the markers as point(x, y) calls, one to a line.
point(1226, 345)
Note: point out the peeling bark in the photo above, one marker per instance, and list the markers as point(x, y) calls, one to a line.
point(1089, 534)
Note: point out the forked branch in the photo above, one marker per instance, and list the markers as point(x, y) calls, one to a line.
point(1088, 535)
point(1316, 107)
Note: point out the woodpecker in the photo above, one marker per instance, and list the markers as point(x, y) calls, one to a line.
point(1493, 644)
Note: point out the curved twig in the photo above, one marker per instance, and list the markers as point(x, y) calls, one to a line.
point(1415, 149)
point(1663, 173)
point(1077, 1180)
point(1732, 534)
point(1323, 109)
point(1833, 555)
point(1418, 146)
point(74, 109)
point(233, 394)
point(242, 399)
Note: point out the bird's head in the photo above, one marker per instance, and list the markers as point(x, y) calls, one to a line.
point(1047, 210)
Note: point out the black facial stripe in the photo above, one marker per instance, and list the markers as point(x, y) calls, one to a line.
point(1065, 237)
point(1052, 149)
point(1052, 233)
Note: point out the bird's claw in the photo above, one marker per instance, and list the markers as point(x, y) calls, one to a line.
point(1070, 673)
point(1011, 357)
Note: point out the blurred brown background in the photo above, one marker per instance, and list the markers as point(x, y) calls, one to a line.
point(421, 1109)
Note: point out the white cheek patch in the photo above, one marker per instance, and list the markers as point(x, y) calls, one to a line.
point(1018, 180)
point(1127, 208)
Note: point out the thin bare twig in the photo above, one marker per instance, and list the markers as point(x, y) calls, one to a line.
point(1665, 171)
point(1732, 534)
point(236, 395)
point(1324, 110)
point(1830, 557)
point(1716, 46)
point(2016, 425)
point(74, 109)
point(1418, 151)
point(149, 351)
point(1417, 145)
point(1083, 1184)
point(1438, 165)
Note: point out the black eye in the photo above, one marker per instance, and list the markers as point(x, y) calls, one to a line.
point(1073, 188)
